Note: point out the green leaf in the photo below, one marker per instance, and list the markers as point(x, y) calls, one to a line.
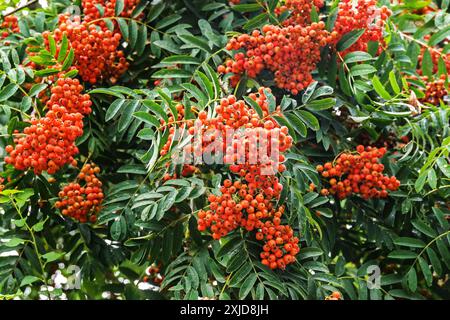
point(314, 14)
point(357, 56)
point(114, 108)
point(228, 247)
point(196, 42)
point(123, 26)
point(192, 277)
point(118, 228)
point(167, 21)
point(309, 91)
point(362, 70)
point(14, 242)
point(426, 271)
point(412, 279)
point(36, 89)
point(68, 61)
point(409, 242)
point(344, 82)
point(424, 228)
point(39, 226)
point(256, 22)
point(141, 40)
point(427, 64)
point(52, 256)
point(402, 254)
point(309, 119)
point(439, 36)
point(247, 285)
point(63, 49)
point(393, 82)
point(432, 178)
point(240, 274)
point(349, 39)
point(28, 280)
point(180, 59)
point(8, 91)
point(71, 74)
point(435, 261)
point(52, 44)
point(379, 88)
point(255, 106)
point(309, 252)
point(322, 104)
point(147, 118)
point(120, 5)
point(171, 74)
point(127, 114)
point(46, 72)
point(270, 100)
point(133, 36)
point(420, 182)
point(297, 124)
point(155, 11)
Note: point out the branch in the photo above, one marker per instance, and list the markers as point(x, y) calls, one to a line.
point(26, 5)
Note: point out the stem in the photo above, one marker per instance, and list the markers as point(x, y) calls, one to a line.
point(426, 247)
point(423, 44)
point(26, 5)
point(128, 19)
point(36, 249)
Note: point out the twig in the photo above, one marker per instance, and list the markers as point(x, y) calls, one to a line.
point(20, 8)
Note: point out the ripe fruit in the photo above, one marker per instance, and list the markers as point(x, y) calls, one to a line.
point(300, 11)
point(96, 51)
point(361, 14)
point(11, 25)
point(49, 142)
point(82, 202)
point(290, 52)
point(435, 90)
point(359, 173)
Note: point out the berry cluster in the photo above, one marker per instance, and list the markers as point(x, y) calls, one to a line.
point(255, 145)
point(11, 24)
point(300, 11)
point(361, 14)
point(281, 246)
point(96, 51)
point(49, 142)
point(82, 202)
point(290, 52)
point(435, 91)
point(436, 53)
point(237, 206)
point(153, 274)
point(359, 173)
point(241, 206)
point(2, 186)
point(67, 93)
point(250, 201)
